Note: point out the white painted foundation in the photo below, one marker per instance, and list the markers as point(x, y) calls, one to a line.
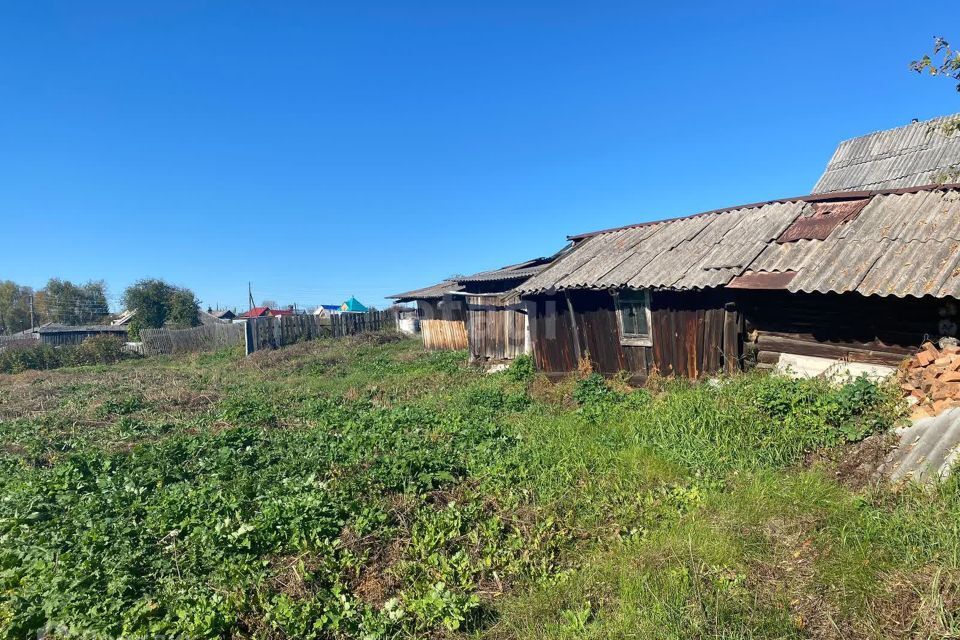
point(812, 366)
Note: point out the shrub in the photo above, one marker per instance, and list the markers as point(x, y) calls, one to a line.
point(102, 349)
point(521, 369)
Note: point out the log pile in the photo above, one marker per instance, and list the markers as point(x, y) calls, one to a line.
point(932, 378)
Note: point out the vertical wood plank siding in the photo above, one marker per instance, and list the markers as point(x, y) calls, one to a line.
point(694, 334)
point(496, 327)
point(552, 334)
point(443, 324)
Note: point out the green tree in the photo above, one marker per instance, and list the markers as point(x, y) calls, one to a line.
point(184, 309)
point(64, 302)
point(156, 303)
point(945, 61)
point(14, 307)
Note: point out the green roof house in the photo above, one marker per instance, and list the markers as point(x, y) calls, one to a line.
point(353, 306)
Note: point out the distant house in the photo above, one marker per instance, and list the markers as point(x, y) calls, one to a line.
point(223, 314)
point(256, 312)
point(264, 312)
point(353, 306)
point(327, 310)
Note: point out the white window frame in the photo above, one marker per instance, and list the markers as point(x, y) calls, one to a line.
point(634, 339)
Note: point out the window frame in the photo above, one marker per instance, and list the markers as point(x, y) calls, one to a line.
point(619, 300)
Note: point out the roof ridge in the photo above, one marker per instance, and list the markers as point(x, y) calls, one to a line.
point(903, 126)
point(812, 197)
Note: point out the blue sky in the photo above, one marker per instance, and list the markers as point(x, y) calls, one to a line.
point(322, 150)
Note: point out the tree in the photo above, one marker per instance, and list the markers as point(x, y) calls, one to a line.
point(156, 303)
point(184, 309)
point(64, 302)
point(14, 307)
point(948, 64)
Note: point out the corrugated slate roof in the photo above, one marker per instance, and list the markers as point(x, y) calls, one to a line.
point(432, 292)
point(511, 272)
point(917, 154)
point(901, 243)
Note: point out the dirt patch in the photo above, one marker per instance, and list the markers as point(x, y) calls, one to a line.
point(856, 465)
point(920, 604)
point(789, 576)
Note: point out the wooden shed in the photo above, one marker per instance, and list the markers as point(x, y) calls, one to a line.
point(58, 335)
point(497, 326)
point(442, 315)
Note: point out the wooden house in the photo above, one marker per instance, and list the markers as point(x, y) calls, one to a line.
point(863, 271)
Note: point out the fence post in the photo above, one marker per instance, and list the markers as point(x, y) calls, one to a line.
point(248, 334)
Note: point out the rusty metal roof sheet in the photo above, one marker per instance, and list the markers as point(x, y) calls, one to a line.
point(916, 154)
point(903, 242)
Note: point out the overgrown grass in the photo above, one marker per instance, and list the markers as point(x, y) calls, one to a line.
point(366, 488)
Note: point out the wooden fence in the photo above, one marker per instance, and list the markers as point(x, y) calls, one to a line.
point(209, 337)
point(273, 333)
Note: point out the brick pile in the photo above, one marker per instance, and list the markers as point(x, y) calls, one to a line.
point(932, 378)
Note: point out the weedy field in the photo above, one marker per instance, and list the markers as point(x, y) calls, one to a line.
point(368, 489)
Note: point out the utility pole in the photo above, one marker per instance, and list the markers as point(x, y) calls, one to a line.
point(31, 313)
point(250, 296)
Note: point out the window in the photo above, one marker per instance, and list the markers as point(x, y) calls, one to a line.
point(633, 317)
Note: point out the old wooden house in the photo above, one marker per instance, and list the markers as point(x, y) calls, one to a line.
point(480, 312)
point(863, 271)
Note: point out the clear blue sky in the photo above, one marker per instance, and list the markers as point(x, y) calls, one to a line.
point(322, 150)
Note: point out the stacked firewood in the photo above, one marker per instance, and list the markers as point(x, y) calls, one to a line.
point(932, 378)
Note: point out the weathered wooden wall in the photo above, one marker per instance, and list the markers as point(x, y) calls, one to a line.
point(848, 326)
point(75, 337)
point(551, 329)
point(595, 319)
point(443, 324)
point(694, 334)
point(209, 337)
point(496, 327)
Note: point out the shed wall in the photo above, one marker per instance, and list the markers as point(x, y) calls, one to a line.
point(496, 327)
point(443, 324)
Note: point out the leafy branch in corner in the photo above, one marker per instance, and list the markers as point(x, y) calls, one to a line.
point(945, 61)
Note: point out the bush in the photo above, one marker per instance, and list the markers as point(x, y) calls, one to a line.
point(100, 349)
point(40, 356)
point(521, 369)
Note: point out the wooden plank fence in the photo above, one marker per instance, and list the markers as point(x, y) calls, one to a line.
point(210, 337)
point(276, 332)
